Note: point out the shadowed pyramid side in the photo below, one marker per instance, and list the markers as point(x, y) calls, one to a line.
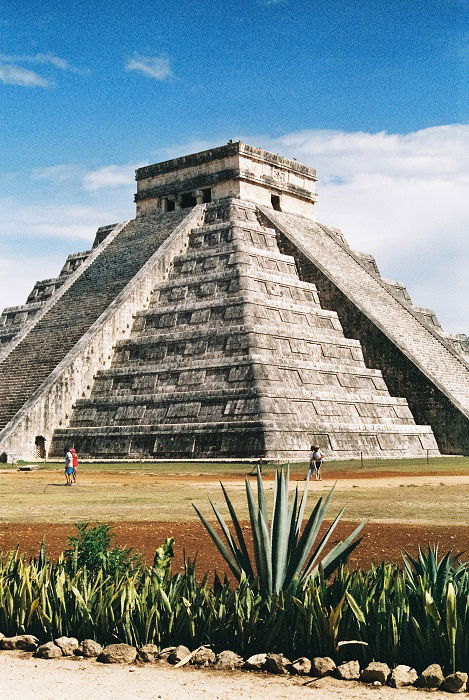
point(416, 359)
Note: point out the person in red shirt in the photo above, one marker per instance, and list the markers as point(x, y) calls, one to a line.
point(75, 464)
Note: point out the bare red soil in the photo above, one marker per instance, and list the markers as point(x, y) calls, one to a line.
point(229, 477)
point(381, 542)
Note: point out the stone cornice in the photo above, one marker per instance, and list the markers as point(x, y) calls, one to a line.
point(229, 149)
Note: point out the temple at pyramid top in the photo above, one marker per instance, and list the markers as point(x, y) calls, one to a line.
point(224, 321)
point(233, 170)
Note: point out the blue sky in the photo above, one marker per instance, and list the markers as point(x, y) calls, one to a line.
point(373, 94)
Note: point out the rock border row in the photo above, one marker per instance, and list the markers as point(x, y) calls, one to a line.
point(375, 673)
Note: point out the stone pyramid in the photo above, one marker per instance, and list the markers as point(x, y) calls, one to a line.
point(224, 321)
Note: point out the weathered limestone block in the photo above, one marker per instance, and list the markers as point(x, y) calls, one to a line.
point(349, 671)
point(89, 649)
point(178, 654)
point(455, 683)
point(204, 656)
point(49, 650)
point(432, 676)
point(67, 645)
point(401, 676)
point(228, 661)
point(148, 653)
point(255, 662)
point(375, 672)
point(277, 663)
point(322, 666)
point(164, 653)
point(301, 666)
point(25, 642)
point(118, 654)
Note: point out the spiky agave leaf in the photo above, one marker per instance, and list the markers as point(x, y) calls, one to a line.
point(285, 553)
point(437, 573)
point(255, 527)
point(230, 560)
point(306, 541)
point(282, 531)
point(239, 533)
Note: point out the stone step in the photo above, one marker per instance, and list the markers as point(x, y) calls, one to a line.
point(244, 370)
point(260, 335)
point(216, 404)
point(250, 299)
point(240, 248)
point(240, 438)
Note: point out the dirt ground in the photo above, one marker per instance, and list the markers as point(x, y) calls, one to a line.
point(23, 676)
point(385, 537)
point(391, 530)
point(149, 496)
point(381, 542)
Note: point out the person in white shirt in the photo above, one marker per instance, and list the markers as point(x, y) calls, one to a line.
point(316, 457)
point(68, 466)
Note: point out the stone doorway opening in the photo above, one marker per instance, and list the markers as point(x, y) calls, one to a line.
point(40, 444)
point(275, 201)
point(188, 200)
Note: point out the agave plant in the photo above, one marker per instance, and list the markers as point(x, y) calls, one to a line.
point(285, 553)
point(436, 572)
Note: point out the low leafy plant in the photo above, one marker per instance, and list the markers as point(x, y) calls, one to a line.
point(437, 572)
point(395, 621)
point(440, 613)
point(163, 558)
point(284, 553)
point(91, 548)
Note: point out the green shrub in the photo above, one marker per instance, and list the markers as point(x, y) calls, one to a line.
point(399, 614)
point(91, 548)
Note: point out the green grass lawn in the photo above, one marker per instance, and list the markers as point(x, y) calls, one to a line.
point(122, 495)
point(456, 465)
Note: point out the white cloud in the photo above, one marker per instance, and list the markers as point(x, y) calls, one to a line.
point(18, 276)
point(56, 173)
point(403, 198)
point(44, 59)
point(15, 75)
point(152, 66)
point(52, 220)
point(110, 176)
point(421, 154)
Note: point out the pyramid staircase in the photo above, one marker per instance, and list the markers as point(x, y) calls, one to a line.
point(236, 357)
point(418, 360)
point(36, 357)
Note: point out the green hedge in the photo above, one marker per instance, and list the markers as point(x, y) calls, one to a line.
point(415, 615)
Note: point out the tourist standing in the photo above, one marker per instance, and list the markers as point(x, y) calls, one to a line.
point(316, 458)
point(75, 464)
point(68, 466)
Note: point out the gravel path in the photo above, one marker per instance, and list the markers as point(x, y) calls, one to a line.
point(23, 676)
